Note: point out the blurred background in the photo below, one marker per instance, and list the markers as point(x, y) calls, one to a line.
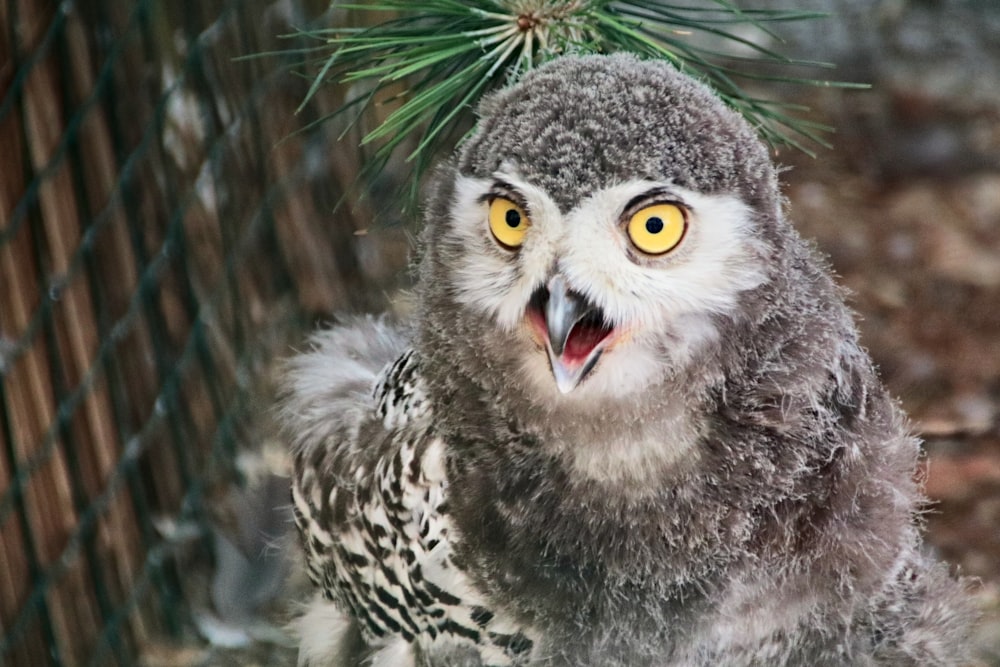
point(170, 230)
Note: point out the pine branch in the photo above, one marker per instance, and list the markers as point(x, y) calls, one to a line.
point(449, 53)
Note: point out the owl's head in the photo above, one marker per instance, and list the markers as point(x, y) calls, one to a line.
point(608, 216)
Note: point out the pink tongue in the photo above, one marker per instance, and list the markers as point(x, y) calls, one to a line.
point(582, 340)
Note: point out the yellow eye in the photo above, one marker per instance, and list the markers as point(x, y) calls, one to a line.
point(508, 222)
point(658, 228)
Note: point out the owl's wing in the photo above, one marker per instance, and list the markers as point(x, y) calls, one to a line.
point(370, 501)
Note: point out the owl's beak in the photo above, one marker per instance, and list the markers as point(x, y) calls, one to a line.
point(574, 330)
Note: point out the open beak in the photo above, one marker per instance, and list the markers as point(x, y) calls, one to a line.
point(575, 331)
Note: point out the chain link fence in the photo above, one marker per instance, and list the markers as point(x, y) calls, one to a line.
point(167, 228)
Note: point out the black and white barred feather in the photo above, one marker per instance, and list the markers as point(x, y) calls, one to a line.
point(375, 526)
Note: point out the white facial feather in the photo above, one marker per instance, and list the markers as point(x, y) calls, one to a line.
point(492, 279)
point(654, 300)
point(717, 260)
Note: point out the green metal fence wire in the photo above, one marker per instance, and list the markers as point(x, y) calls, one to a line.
point(160, 244)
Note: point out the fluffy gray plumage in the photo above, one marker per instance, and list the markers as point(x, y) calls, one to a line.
point(721, 480)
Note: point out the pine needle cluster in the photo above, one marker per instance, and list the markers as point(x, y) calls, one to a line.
point(447, 53)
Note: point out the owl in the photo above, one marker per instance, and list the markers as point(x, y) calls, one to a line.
point(629, 424)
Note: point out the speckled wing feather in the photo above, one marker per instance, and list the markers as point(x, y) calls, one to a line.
point(370, 502)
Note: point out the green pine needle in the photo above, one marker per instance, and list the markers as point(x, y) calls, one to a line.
point(448, 53)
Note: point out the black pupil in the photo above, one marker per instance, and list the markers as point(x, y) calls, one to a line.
point(512, 218)
point(654, 225)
